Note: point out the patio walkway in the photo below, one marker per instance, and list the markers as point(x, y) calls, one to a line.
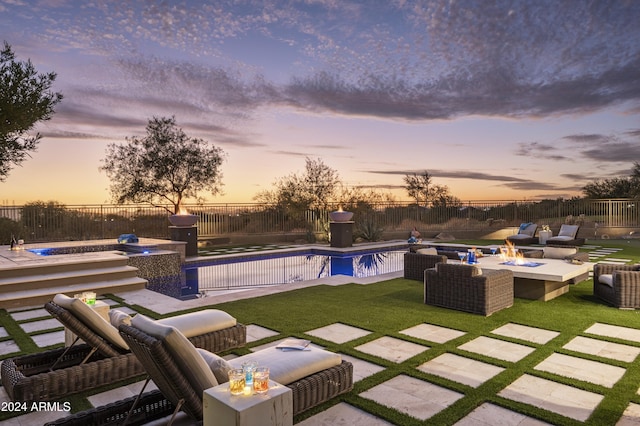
point(415, 397)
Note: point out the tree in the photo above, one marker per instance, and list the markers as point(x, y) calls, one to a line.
point(25, 99)
point(165, 166)
point(316, 188)
point(628, 187)
point(421, 189)
point(418, 187)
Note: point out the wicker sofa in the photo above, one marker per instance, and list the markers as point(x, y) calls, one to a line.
point(52, 374)
point(618, 285)
point(468, 288)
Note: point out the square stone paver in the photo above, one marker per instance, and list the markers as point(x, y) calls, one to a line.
point(392, 349)
point(3, 332)
point(338, 333)
point(48, 339)
point(631, 416)
point(524, 332)
point(552, 396)
point(491, 415)
point(361, 368)
point(433, 333)
point(33, 313)
point(460, 369)
point(496, 348)
point(343, 414)
point(47, 324)
point(256, 332)
point(8, 347)
point(414, 397)
point(604, 349)
point(582, 369)
point(625, 333)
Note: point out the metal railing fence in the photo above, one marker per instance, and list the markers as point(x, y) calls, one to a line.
point(41, 222)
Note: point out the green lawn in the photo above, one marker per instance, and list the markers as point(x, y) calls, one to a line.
point(388, 307)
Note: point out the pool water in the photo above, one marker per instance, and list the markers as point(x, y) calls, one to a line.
point(283, 269)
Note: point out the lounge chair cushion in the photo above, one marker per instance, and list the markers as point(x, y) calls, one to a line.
point(219, 366)
point(91, 319)
point(200, 322)
point(519, 237)
point(190, 362)
point(558, 252)
point(427, 250)
point(559, 238)
point(606, 279)
point(568, 231)
point(286, 367)
point(527, 230)
point(117, 317)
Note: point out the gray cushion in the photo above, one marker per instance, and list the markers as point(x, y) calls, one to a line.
point(219, 366)
point(568, 231)
point(286, 367)
point(519, 237)
point(189, 361)
point(91, 319)
point(427, 250)
point(200, 322)
point(117, 317)
point(606, 279)
point(558, 252)
point(529, 231)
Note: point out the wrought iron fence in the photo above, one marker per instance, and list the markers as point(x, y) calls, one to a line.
point(55, 222)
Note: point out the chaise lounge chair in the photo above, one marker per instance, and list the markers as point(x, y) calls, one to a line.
point(105, 357)
point(567, 236)
point(182, 373)
point(526, 234)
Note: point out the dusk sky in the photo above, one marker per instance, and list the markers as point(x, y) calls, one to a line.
point(498, 100)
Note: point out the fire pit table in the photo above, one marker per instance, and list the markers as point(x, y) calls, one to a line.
point(541, 279)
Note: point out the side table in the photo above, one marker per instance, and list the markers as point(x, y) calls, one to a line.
point(101, 308)
point(275, 408)
point(543, 236)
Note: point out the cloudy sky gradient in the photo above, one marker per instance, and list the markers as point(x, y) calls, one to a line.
point(499, 100)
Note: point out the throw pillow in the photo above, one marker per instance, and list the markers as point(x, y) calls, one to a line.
point(558, 252)
point(218, 365)
point(427, 250)
point(117, 317)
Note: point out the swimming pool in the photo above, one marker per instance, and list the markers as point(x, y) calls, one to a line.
point(283, 268)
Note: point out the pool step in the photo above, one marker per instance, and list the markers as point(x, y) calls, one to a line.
point(39, 283)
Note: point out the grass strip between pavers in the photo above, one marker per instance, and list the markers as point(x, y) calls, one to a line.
point(386, 308)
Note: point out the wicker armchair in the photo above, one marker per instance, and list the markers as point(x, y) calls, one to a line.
point(415, 264)
point(467, 288)
point(618, 285)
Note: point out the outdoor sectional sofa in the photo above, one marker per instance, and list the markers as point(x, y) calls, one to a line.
point(104, 358)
